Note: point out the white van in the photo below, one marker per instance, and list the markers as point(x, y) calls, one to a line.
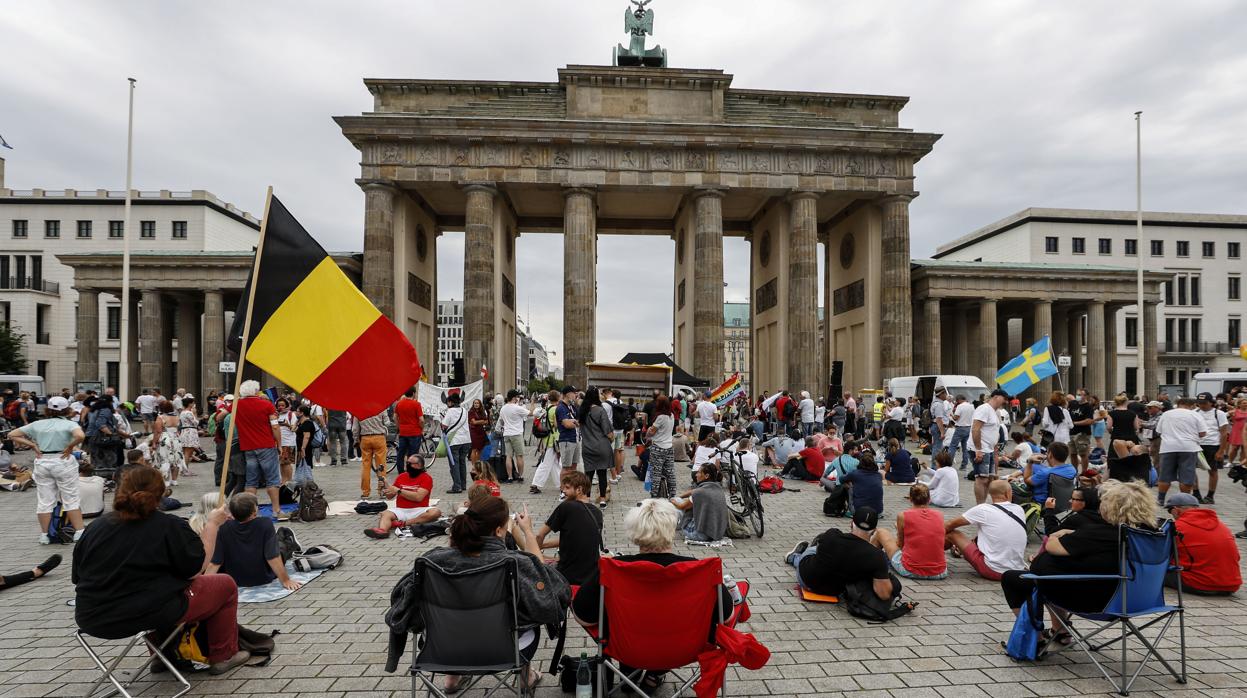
point(1217, 383)
point(16, 383)
point(925, 387)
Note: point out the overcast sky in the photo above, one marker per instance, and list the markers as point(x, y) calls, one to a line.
point(1035, 101)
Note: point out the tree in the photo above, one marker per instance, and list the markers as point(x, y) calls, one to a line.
point(12, 350)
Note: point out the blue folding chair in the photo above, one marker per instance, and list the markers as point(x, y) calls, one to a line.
point(1146, 557)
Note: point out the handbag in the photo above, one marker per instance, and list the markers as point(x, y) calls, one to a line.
point(446, 438)
point(1023, 643)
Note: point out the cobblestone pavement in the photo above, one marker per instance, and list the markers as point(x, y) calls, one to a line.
point(333, 637)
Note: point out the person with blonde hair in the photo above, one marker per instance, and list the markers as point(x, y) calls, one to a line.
point(916, 550)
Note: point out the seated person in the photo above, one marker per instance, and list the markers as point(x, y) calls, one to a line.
point(138, 458)
point(1023, 450)
point(705, 506)
point(806, 464)
point(579, 525)
point(829, 444)
point(1084, 508)
point(477, 538)
point(1091, 549)
point(483, 474)
point(410, 500)
point(747, 458)
point(1207, 552)
point(90, 491)
point(706, 451)
point(944, 483)
point(841, 465)
point(917, 549)
point(246, 546)
point(1056, 463)
point(137, 568)
point(835, 559)
point(9, 581)
point(866, 484)
point(777, 449)
point(1001, 542)
point(898, 465)
point(1129, 461)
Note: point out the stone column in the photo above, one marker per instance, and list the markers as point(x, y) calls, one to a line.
point(708, 285)
point(1075, 353)
point(803, 351)
point(580, 284)
point(188, 346)
point(931, 319)
point(896, 326)
point(378, 271)
point(1110, 353)
point(1043, 326)
point(1095, 348)
point(987, 342)
point(151, 344)
point(88, 339)
point(213, 343)
point(1151, 362)
point(478, 283)
point(960, 337)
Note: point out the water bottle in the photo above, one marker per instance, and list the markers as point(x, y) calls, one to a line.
point(730, 583)
point(584, 678)
point(649, 483)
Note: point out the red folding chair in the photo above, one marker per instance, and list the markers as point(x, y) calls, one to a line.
point(633, 595)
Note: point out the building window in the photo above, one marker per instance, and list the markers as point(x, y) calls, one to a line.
point(1169, 376)
point(1184, 248)
point(116, 229)
point(41, 368)
point(84, 229)
point(1051, 245)
point(1231, 250)
point(1232, 288)
point(1209, 249)
point(1169, 330)
point(51, 229)
point(1195, 290)
point(1132, 331)
point(1234, 332)
point(1106, 246)
point(1080, 245)
point(112, 373)
point(1196, 323)
point(1181, 290)
point(114, 322)
point(1158, 248)
point(1169, 292)
point(147, 230)
point(179, 230)
point(1132, 248)
point(19, 229)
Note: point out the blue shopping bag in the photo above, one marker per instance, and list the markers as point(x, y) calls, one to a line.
point(1023, 644)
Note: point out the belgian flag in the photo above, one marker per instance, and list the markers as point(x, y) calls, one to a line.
point(315, 331)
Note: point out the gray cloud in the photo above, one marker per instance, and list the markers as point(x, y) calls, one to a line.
point(1034, 101)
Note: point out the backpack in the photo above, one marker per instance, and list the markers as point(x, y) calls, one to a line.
point(736, 527)
point(860, 600)
point(771, 485)
point(318, 438)
point(837, 502)
point(287, 545)
point(541, 425)
point(312, 504)
point(790, 409)
point(619, 417)
point(318, 557)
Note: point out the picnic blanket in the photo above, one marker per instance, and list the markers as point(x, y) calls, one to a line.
point(725, 543)
point(274, 591)
point(267, 509)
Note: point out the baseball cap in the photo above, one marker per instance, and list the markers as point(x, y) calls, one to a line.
point(1181, 499)
point(1205, 397)
point(1156, 403)
point(865, 518)
point(998, 392)
point(229, 397)
point(570, 389)
point(58, 403)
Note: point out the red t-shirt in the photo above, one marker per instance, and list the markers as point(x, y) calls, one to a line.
point(410, 417)
point(494, 489)
point(780, 405)
point(255, 416)
point(404, 481)
point(923, 553)
point(814, 463)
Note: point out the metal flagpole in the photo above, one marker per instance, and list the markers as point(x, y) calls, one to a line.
point(123, 389)
point(1142, 338)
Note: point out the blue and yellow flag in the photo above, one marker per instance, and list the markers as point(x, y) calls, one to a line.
point(1028, 368)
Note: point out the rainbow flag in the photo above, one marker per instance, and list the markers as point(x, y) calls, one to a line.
point(727, 392)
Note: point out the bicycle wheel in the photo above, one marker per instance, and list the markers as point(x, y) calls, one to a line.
point(391, 456)
point(737, 497)
point(755, 509)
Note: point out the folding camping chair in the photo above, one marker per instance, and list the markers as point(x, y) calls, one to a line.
point(1145, 557)
point(109, 670)
point(628, 604)
point(482, 600)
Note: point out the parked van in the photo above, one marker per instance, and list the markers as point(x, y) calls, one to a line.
point(16, 383)
point(1217, 383)
point(925, 387)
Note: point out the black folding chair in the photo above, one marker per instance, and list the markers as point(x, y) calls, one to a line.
point(471, 627)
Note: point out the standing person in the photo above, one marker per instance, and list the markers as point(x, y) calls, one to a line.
point(513, 415)
point(1214, 443)
point(147, 403)
point(188, 430)
point(55, 472)
point(984, 435)
point(1237, 442)
point(963, 420)
point(621, 416)
point(219, 431)
point(820, 412)
point(1056, 423)
point(409, 414)
point(166, 447)
point(478, 426)
point(547, 464)
point(1181, 431)
point(595, 441)
point(839, 417)
point(1030, 416)
point(1123, 423)
point(352, 443)
point(335, 436)
point(805, 408)
point(1083, 414)
point(102, 435)
point(287, 422)
point(370, 432)
point(707, 417)
point(258, 436)
point(305, 431)
point(458, 442)
point(852, 425)
point(662, 450)
point(939, 420)
point(568, 426)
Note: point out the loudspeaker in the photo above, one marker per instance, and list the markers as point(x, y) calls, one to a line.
point(836, 389)
point(459, 377)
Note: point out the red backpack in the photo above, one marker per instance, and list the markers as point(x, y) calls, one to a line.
point(771, 485)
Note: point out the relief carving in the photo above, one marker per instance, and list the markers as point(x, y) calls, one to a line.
point(389, 153)
point(627, 159)
point(824, 163)
point(793, 162)
point(662, 159)
point(695, 160)
point(856, 165)
point(493, 155)
point(761, 162)
point(528, 156)
point(461, 155)
point(562, 158)
point(885, 166)
point(426, 156)
point(729, 160)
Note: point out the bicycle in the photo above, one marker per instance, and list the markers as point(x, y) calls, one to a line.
point(743, 498)
point(428, 446)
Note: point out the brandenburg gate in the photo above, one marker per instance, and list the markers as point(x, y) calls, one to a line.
point(648, 151)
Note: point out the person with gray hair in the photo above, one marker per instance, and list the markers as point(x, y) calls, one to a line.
point(258, 436)
point(806, 409)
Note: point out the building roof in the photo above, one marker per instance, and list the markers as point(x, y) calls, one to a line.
point(732, 312)
point(1015, 266)
point(164, 197)
point(678, 375)
point(1093, 217)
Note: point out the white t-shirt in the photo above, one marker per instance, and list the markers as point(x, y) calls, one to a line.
point(287, 423)
point(705, 413)
point(147, 403)
point(1179, 431)
point(990, 432)
point(91, 493)
point(749, 461)
point(820, 414)
point(944, 492)
point(513, 416)
point(807, 410)
point(1025, 450)
point(1003, 414)
point(1060, 432)
point(1214, 419)
point(897, 414)
point(963, 415)
point(455, 416)
point(704, 454)
point(1001, 539)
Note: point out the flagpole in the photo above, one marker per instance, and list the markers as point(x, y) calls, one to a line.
point(123, 370)
point(1140, 387)
point(242, 352)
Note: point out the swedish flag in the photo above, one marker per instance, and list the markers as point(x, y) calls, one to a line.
point(1028, 368)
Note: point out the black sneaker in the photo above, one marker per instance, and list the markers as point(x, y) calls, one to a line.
point(796, 550)
point(49, 564)
point(1241, 534)
point(1209, 499)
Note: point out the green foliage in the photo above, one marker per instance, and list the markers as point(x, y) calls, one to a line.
point(12, 350)
point(542, 385)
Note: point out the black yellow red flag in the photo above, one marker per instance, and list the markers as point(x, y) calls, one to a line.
point(315, 331)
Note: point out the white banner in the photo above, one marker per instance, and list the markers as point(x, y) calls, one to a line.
point(433, 398)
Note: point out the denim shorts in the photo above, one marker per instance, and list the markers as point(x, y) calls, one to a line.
point(899, 568)
point(263, 468)
point(985, 467)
